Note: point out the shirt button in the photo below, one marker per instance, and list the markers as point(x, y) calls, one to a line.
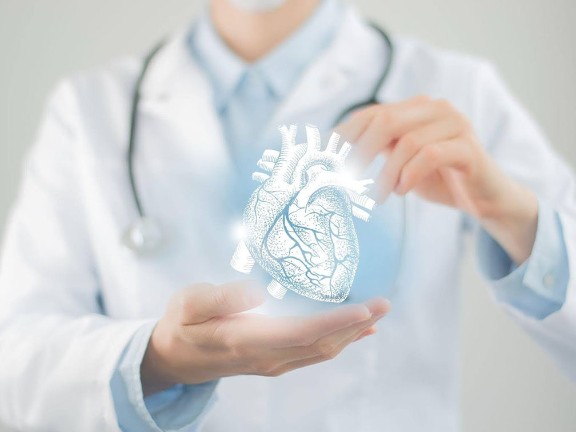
point(549, 280)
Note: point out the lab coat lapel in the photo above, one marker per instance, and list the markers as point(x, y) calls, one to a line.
point(330, 75)
point(177, 91)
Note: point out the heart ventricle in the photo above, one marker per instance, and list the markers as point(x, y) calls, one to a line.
point(314, 250)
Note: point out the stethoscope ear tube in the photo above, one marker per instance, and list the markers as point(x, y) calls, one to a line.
point(133, 127)
point(373, 98)
point(144, 235)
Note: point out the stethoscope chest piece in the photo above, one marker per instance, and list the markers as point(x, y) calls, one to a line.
point(143, 237)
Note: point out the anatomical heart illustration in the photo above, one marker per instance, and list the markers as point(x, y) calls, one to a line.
point(299, 224)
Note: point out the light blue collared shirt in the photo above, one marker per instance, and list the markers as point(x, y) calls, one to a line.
point(245, 96)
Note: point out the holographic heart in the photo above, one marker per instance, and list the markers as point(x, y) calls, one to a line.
point(299, 222)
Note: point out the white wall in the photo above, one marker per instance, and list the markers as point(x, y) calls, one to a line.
point(508, 383)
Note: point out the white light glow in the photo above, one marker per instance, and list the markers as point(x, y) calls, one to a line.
point(239, 231)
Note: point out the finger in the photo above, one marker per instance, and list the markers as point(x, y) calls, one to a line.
point(379, 310)
point(294, 332)
point(430, 159)
point(267, 333)
point(407, 147)
point(311, 329)
point(298, 331)
point(354, 127)
point(391, 123)
point(285, 332)
point(328, 355)
point(323, 346)
point(378, 306)
point(386, 124)
point(202, 302)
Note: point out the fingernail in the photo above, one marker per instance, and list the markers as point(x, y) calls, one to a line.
point(367, 315)
point(387, 306)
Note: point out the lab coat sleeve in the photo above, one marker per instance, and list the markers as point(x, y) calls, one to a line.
point(179, 408)
point(58, 350)
point(522, 151)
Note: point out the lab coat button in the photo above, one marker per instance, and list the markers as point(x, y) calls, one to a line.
point(548, 280)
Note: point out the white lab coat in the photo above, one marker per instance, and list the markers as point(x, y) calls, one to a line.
point(71, 298)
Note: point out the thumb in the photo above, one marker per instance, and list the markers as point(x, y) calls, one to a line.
point(202, 302)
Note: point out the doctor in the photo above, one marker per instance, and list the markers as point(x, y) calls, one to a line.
point(94, 338)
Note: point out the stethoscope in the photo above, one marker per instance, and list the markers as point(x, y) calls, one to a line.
point(145, 236)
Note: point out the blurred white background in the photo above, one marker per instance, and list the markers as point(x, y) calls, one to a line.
point(508, 383)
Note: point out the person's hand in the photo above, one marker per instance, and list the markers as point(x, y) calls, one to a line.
point(204, 336)
point(431, 149)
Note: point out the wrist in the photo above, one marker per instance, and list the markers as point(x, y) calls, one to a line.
point(513, 219)
point(154, 375)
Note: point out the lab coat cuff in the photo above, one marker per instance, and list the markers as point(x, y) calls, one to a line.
point(179, 408)
point(537, 287)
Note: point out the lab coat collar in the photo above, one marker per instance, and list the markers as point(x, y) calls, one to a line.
point(332, 73)
point(174, 72)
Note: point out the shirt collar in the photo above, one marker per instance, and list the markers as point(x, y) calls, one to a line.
point(280, 68)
